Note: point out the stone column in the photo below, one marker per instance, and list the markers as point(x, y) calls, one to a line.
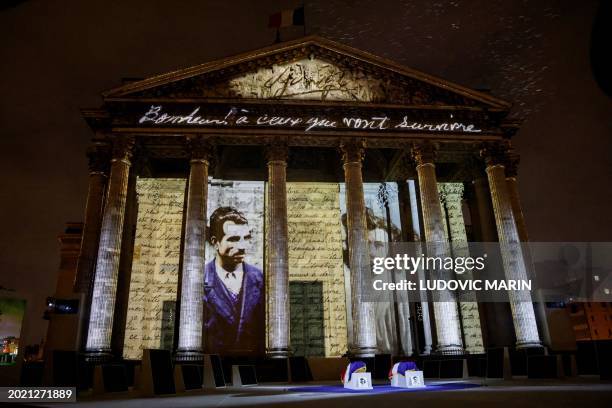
point(486, 220)
point(511, 165)
point(98, 174)
point(523, 315)
point(192, 275)
point(278, 253)
point(411, 232)
point(364, 328)
point(497, 316)
point(98, 344)
point(448, 328)
point(424, 301)
point(452, 195)
point(408, 332)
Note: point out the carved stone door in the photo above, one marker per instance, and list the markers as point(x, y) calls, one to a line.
point(307, 331)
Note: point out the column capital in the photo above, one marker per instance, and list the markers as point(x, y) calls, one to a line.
point(353, 151)
point(200, 149)
point(423, 153)
point(447, 189)
point(405, 167)
point(98, 156)
point(123, 149)
point(277, 152)
point(511, 163)
point(468, 190)
point(494, 154)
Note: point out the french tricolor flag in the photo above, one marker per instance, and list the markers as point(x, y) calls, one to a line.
point(287, 18)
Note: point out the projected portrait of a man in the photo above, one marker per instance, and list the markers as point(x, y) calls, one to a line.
point(233, 289)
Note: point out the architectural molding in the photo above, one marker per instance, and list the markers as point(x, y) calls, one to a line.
point(200, 148)
point(313, 64)
point(424, 153)
point(495, 153)
point(98, 156)
point(277, 151)
point(353, 151)
point(123, 146)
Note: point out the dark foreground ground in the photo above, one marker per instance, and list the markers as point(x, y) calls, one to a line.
point(581, 392)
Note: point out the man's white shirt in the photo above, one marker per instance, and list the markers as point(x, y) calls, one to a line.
point(231, 280)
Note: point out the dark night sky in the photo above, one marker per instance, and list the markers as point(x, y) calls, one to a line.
point(57, 56)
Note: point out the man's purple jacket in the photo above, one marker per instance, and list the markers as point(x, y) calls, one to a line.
point(234, 324)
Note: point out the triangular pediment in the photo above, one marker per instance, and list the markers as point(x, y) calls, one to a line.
point(309, 69)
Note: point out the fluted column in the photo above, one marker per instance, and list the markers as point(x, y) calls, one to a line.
point(98, 175)
point(452, 194)
point(99, 161)
point(448, 328)
point(511, 163)
point(278, 253)
point(511, 170)
point(192, 274)
point(407, 330)
point(497, 316)
point(364, 328)
point(411, 232)
point(523, 315)
point(98, 344)
point(486, 219)
point(424, 302)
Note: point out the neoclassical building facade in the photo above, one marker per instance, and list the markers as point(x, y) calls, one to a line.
point(323, 151)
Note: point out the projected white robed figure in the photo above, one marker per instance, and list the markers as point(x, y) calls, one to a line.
point(378, 238)
point(233, 289)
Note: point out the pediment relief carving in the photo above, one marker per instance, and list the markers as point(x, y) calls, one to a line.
point(309, 73)
point(308, 79)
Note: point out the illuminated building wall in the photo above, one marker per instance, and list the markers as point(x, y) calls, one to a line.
point(315, 255)
point(592, 320)
point(155, 266)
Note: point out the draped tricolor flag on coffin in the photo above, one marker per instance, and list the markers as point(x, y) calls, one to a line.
point(354, 367)
point(287, 18)
point(401, 368)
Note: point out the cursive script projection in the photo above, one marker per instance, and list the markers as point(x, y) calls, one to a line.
point(241, 117)
point(315, 253)
point(248, 197)
point(311, 79)
point(155, 266)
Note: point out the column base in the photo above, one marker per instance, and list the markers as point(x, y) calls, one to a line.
point(280, 352)
point(528, 344)
point(362, 352)
point(188, 355)
point(450, 350)
point(98, 356)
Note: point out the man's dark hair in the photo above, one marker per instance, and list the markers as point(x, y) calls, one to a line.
point(219, 217)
